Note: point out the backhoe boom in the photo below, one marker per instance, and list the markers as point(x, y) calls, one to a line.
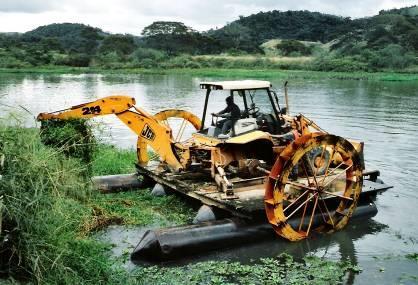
point(104, 106)
point(150, 131)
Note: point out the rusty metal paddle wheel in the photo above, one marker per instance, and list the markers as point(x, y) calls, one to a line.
point(310, 171)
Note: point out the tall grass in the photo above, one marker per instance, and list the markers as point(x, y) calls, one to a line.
point(108, 160)
point(50, 210)
point(42, 192)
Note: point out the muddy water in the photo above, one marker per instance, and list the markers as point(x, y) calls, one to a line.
point(382, 114)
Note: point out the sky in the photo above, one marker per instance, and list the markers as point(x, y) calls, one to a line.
point(131, 16)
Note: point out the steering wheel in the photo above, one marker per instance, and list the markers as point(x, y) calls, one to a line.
point(253, 110)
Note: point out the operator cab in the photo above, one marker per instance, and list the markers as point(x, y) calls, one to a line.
point(258, 104)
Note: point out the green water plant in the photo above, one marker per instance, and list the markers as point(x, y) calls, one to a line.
point(281, 270)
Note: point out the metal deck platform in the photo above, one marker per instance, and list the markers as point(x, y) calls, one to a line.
point(249, 192)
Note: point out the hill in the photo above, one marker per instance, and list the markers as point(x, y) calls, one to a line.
point(70, 36)
point(389, 27)
point(397, 26)
point(407, 11)
point(385, 41)
point(300, 25)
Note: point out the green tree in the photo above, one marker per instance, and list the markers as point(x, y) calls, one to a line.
point(392, 56)
point(78, 60)
point(122, 44)
point(50, 43)
point(412, 39)
point(293, 47)
point(236, 36)
point(166, 28)
point(380, 36)
point(175, 38)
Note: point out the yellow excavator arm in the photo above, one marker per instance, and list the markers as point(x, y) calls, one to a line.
point(149, 129)
point(104, 106)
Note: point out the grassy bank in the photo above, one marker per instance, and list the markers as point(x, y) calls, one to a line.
point(225, 73)
point(44, 195)
point(110, 160)
point(50, 213)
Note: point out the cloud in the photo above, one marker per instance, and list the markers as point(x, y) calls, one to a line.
point(131, 16)
point(205, 13)
point(27, 6)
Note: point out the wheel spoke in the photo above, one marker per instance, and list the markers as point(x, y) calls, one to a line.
point(310, 166)
point(322, 213)
point(181, 130)
point(167, 123)
point(329, 163)
point(336, 176)
point(337, 195)
point(291, 204)
point(335, 168)
point(303, 216)
point(301, 185)
point(332, 171)
point(329, 215)
point(313, 214)
point(300, 206)
point(305, 171)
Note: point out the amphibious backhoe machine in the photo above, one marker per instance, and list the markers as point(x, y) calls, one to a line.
point(269, 161)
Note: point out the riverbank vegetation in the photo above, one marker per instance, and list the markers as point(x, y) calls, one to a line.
point(50, 213)
point(292, 40)
point(230, 73)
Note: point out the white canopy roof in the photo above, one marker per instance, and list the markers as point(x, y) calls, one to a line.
point(235, 85)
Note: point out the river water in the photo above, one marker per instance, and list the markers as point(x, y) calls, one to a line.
point(382, 114)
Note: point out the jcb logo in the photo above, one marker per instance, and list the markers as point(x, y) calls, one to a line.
point(148, 133)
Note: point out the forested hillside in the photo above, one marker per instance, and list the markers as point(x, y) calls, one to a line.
point(388, 40)
point(299, 25)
